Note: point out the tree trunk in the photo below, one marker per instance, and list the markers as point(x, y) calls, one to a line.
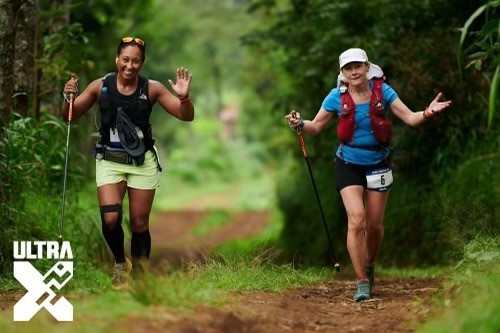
point(57, 24)
point(24, 63)
point(8, 24)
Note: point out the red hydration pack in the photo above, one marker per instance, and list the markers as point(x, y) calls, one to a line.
point(380, 124)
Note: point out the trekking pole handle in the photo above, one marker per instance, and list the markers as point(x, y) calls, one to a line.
point(71, 101)
point(299, 136)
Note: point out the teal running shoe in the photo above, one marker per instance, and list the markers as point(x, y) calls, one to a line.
point(362, 291)
point(370, 274)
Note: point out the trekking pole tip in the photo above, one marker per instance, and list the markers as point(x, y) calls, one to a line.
point(60, 239)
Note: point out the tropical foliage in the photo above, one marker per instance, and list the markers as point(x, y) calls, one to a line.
point(268, 57)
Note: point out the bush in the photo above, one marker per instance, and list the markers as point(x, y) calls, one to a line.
point(32, 156)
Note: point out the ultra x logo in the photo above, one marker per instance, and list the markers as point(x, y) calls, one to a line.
point(42, 288)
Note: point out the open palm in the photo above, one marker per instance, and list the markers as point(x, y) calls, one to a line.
point(181, 85)
point(438, 106)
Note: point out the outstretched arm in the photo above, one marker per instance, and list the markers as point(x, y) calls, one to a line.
point(417, 118)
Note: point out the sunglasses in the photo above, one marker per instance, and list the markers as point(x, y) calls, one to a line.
point(138, 41)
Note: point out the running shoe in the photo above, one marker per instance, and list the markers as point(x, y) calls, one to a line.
point(121, 273)
point(362, 291)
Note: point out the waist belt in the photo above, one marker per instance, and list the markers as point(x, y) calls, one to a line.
point(102, 152)
point(376, 147)
point(117, 156)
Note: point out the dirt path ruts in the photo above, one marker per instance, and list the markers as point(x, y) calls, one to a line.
point(398, 304)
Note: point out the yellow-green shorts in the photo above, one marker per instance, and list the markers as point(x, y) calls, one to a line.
point(144, 177)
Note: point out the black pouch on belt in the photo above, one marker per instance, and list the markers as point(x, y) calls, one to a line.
point(118, 157)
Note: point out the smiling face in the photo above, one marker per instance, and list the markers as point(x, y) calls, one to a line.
point(129, 61)
point(355, 72)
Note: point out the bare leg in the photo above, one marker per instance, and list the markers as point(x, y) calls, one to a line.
point(352, 196)
point(140, 203)
point(375, 207)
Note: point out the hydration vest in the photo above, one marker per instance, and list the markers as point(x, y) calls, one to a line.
point(380, 124)
point(136, 106)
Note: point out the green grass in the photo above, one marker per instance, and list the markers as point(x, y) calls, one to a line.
point(268, 237)
point(422, 272)
point(177, 292)
point(211, 221)
point(209, 281)
point(240, 194)
point(471, 299)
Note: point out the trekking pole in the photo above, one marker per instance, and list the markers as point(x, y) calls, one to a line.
point(70, 116)
point(304, 152)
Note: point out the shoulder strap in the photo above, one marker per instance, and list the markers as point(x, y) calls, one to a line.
point(346, 102)
point(376, 105)
point(377, 88)
point(143, 84)
point(107, 81)
point(346, 123)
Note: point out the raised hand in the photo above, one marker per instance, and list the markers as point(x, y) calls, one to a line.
point(183, 79)
point(437, 106)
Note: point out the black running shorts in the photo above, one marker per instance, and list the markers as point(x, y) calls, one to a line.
point(347, 174)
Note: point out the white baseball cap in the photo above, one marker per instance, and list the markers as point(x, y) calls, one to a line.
point(352, 55)
point(374, 72)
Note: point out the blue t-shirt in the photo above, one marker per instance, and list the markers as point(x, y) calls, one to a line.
point(362, 132)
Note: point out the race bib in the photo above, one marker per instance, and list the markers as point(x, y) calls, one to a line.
point(379, 179)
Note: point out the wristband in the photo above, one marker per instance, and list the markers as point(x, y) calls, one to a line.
point(300, 126)
point(426, 117)
point(184, 99)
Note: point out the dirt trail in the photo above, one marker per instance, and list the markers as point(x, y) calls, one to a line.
point(173, 243)
point(398, 304)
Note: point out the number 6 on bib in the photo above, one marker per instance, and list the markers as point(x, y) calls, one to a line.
point(379, 179)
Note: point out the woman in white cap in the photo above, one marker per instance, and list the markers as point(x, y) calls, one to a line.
point(126, 159)
point(363, 172)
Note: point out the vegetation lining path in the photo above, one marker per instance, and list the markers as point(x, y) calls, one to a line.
point(397, 306)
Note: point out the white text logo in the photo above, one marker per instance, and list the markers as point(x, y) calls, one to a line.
point(41, 289)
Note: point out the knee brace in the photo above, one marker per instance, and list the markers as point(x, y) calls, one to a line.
point(116, 208)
